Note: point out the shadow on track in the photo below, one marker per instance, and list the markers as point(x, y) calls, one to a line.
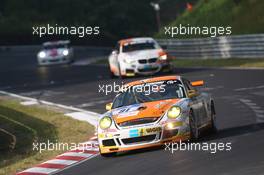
point(235, 131)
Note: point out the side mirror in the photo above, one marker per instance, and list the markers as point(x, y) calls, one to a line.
point(197, 83)
point(192, 93)
point(114, 52)
point(108, 106)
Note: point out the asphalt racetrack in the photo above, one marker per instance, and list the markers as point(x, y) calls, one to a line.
point(239, 105)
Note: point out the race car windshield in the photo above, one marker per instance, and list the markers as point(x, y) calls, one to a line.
point(139, 46)
point(56, 46)
point(150, 92)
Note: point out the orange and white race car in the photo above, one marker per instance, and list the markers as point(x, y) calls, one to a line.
point(154, 111)
point(142, 56)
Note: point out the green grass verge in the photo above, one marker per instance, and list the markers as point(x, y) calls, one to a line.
point(245, 16)
point(247, 63)
point(36, 124)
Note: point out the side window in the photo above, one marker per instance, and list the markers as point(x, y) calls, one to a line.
point(124, 99)
point(129, 99)
point(118, 100)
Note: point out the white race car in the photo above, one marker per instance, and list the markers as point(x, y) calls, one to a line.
point(138, 56)
point(58, 52)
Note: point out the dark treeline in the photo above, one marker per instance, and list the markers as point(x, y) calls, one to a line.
point(116, 18)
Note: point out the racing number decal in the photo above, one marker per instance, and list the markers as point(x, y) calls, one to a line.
point(127, 111)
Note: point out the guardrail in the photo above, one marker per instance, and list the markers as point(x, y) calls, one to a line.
point(32, 50)
point(237, 46)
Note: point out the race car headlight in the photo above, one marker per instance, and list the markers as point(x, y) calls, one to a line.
point(174, 112)
point(163, 57)
point(65, 52)
point(42, 54)
point(105, 122)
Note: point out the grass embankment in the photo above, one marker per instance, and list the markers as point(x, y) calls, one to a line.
point(35, 124)
point(242, 63)
point(244, 16)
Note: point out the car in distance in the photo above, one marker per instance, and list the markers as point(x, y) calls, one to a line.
point(58, 52)
point(140, 117)
point(141, 56)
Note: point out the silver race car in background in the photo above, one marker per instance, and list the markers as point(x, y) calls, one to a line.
point(58, 52)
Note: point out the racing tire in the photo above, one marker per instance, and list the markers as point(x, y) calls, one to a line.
point(213, 127)
point(111, 75)
point(71, 61)
point(119, 71)
point(171, 68)
point(194, 130)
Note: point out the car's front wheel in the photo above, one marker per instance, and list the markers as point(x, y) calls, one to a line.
point(119, 71)
point(213, 127)
point(194, 130)
point(111, 74)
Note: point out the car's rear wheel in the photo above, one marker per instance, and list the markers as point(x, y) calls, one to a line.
point(194, 130)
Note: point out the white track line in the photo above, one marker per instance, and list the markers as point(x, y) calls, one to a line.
point(61, 162)
point(47, 102)
point(88, 61)
point(79, 114)
point(40, 170)
point(76, 154)
point(259, 113)
point(250, 88)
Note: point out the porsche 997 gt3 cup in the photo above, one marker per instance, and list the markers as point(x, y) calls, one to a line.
point(58, 52)
point(154, 111)
point(138, 56)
